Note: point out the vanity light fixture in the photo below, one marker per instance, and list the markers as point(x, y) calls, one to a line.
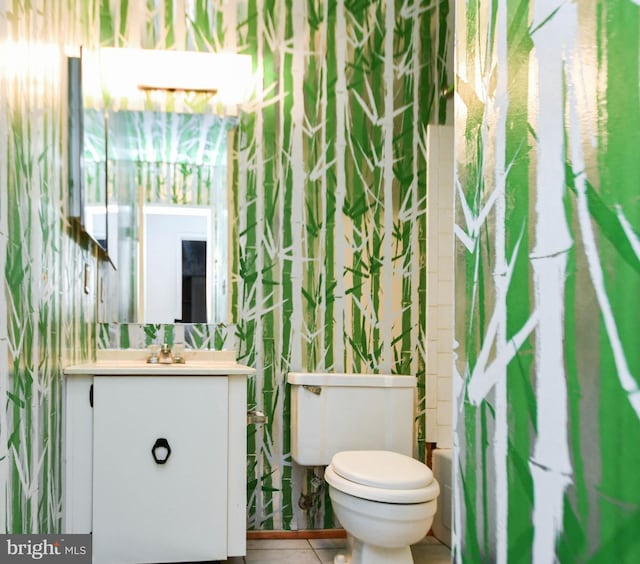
point(225, 75)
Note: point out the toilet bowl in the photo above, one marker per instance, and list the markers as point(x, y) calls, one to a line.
point(385, 501)
point(361, 427)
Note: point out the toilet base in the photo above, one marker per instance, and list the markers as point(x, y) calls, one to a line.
point(362, 553)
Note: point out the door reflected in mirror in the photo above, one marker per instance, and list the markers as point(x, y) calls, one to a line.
point(167, 219)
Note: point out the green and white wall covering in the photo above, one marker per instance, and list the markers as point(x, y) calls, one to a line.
point(332, 216)
point(330, 198)
point(46, 320)
point(548, 281)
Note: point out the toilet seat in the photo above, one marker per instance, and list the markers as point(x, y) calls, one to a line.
point(383, 476)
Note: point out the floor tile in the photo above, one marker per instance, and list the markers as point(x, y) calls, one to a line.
point(428, 553)
point(326, 555)
point(281, 544)
point(315, 551)
point(319, 544)
point(281, 556)
point(429, 539)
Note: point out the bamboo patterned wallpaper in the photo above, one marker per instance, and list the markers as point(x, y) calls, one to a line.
point(548, 279)
point(46, 320)
point(547, 128)
point(332, 219)
point(330, 198)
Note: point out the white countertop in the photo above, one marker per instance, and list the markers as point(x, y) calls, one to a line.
point(132, 362)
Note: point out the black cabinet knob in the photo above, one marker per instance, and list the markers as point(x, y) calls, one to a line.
point(161, 451)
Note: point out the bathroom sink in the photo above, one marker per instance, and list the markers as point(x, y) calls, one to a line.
point(134, 362)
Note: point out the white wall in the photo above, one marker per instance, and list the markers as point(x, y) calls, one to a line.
point(163, 269)
point(439, 284)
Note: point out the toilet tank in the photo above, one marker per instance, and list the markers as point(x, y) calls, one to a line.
point(335, 412)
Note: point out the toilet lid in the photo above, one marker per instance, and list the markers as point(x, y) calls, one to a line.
point(382, 469)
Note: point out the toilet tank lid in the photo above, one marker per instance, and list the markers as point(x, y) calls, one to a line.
point(351, 380)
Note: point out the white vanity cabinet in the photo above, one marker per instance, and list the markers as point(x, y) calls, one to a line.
point(155, 463)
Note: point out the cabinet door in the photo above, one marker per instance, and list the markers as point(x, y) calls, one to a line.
point(78, 440)
point(147, 510)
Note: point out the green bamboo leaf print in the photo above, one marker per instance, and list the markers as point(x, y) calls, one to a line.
point(329, 196)
point(608, 222)
point(618, 119)
point(587, 136)
point(622, 545)
point(572, 547)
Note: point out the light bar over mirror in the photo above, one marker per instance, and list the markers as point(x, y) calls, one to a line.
point(126, 73)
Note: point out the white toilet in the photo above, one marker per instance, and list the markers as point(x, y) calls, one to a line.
point(361, 427)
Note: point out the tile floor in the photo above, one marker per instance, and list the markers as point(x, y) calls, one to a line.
point(315, 551)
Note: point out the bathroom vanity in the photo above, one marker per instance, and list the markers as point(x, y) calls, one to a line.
point(155, 457)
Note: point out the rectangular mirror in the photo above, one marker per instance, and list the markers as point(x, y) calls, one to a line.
point(167, 222)
point(153, 178)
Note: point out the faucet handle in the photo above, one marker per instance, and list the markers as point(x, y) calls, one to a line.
point(178, 353)
point(154, 351)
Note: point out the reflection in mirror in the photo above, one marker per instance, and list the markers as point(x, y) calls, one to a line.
point(95, 174)
point(167, 219)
